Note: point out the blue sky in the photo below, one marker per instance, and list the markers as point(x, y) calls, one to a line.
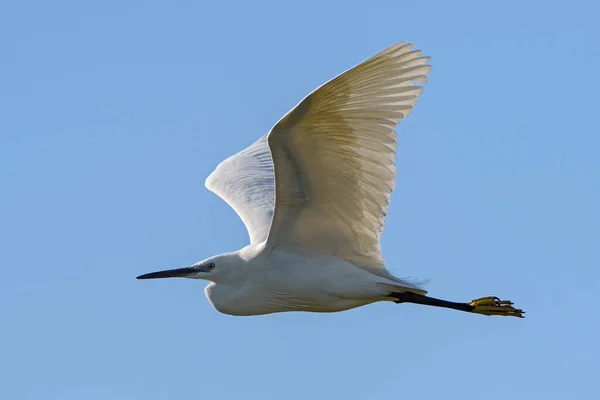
point(113, 113)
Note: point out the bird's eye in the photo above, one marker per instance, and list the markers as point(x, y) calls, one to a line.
point(210, 266)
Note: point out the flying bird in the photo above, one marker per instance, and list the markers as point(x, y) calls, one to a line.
point(313, 194)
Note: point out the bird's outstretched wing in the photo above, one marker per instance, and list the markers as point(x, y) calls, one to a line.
point(334, 157)
point(245, 182)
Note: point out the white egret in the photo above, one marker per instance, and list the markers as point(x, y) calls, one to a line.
point(313, 193)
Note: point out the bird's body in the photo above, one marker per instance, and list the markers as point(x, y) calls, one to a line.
point(313, 193)
point(257, 280)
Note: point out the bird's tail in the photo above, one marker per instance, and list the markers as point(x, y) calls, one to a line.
point(405, 285)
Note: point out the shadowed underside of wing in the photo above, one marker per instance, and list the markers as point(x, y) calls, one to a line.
point(246, 182)
point(334, 157)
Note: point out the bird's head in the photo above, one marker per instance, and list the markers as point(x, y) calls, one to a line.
point(212, 269)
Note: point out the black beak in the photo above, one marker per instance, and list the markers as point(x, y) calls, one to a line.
point(170, 273)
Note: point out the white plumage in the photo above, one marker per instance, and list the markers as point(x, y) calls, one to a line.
point(313, 194)
point(334, 162)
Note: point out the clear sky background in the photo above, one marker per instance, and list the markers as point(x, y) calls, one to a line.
point(113, 113)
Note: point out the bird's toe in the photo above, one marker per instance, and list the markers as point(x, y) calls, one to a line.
point(494, 306)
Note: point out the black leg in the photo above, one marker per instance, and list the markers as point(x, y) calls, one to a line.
point(485, 305)
point(409, 297)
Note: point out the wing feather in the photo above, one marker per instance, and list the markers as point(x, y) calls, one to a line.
point(334, 157)
point(246, 182)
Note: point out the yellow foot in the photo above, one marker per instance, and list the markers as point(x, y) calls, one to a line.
point(494, 306)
